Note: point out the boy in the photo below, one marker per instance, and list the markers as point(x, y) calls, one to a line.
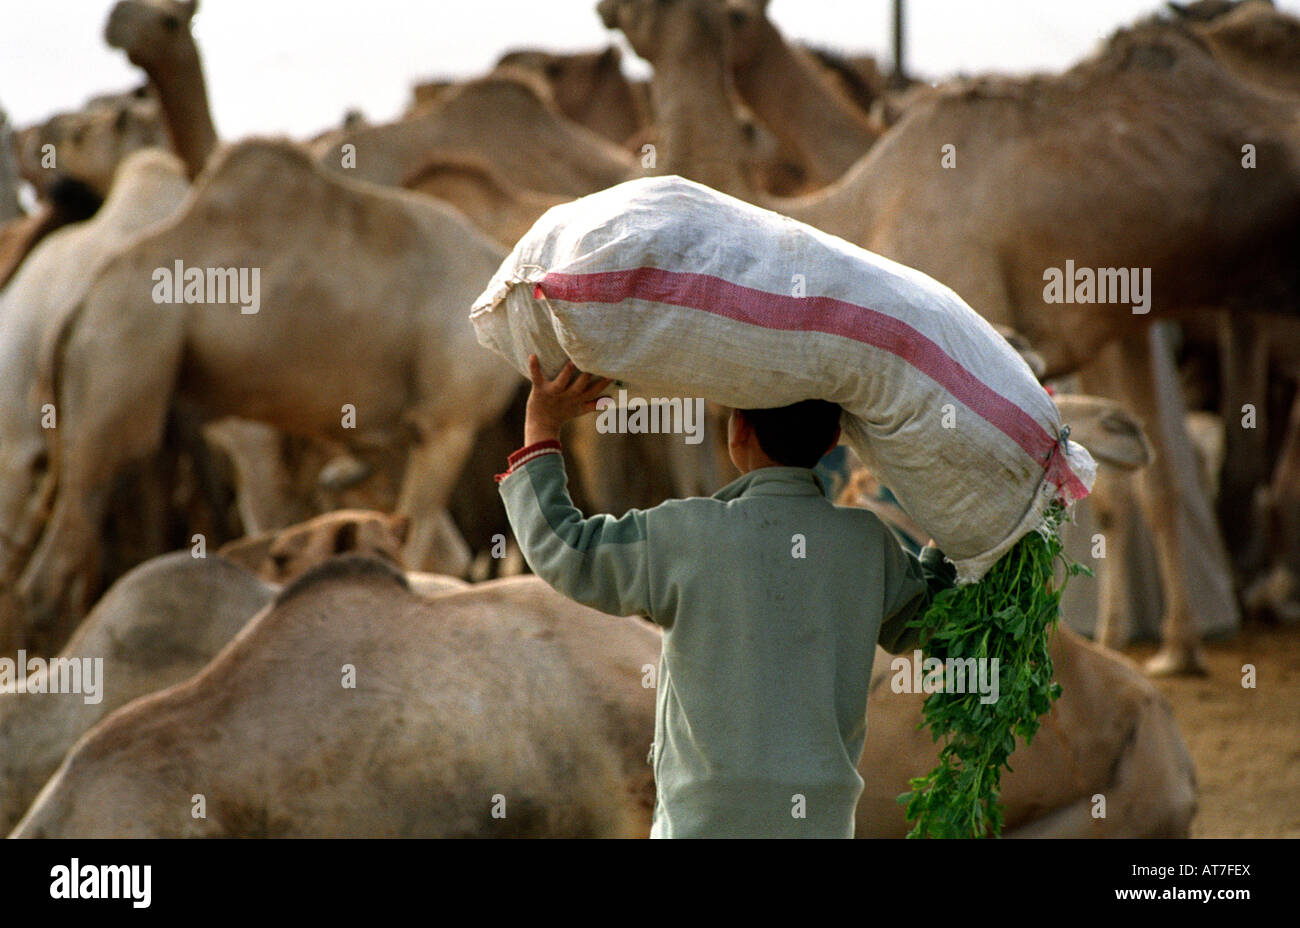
point(771, 601)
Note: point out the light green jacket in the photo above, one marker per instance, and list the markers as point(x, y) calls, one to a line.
point(772, 600)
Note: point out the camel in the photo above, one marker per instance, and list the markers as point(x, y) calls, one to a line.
point(1088, 738)
point(88, 144)
point(501, 710)
point(158, 625)
point(960, 226)
point(155, 34)
point(571, 717)
point(70, 161)
point(1111, 732)
point(1261, 45)
point(161, 623)
point(356, 335)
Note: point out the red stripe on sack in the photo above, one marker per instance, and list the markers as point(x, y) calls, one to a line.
point(721, 297)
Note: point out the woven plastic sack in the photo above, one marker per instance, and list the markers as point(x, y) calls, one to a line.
point(675, 289)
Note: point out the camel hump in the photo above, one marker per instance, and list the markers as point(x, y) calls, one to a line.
point(253, 160)
point(345, 568)
point(505, 81)
point(146, 170)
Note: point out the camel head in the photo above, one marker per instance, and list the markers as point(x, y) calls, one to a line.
point(153, 33)
point(282, 556)
point(90, 143)
point(655, 28)
point(749, 27)
point(1110, 433)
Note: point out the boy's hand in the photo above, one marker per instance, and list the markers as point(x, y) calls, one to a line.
point(553, 403)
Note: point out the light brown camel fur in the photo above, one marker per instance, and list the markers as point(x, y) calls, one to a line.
point(70, 161)
point(992, 225)
point(155, 34)
point(503, 690)
point(163, 621)
point(1257, 42)
point(789, 92)
point(281, 556)
point(149, 188)
point(153, 604)
point(506, 689)
point(361, 315)
point(495, 204)
point(505, 119)
point(588, 88)
point(88, 144)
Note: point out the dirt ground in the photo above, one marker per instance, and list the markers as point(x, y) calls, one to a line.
point(1245, 742)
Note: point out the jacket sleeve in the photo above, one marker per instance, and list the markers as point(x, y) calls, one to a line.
point(913, 582)
point(601, 562)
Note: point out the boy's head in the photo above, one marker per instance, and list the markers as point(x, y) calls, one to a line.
point(790, 436)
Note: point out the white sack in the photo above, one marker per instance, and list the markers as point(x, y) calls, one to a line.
point(678, 290)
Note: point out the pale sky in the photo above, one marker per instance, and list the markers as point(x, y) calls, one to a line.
point(295, 66)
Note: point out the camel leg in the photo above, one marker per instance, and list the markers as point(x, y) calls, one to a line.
point(1120, 607)
point(1176, 508)
point(1244, 352)
point(1277, 591)
point(263, 485)
point(1285, 499)
point(1112, 503)
point(433, 465)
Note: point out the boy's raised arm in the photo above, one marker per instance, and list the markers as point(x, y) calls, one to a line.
point(601, 562)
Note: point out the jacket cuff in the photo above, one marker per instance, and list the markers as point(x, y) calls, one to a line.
point(525, 454)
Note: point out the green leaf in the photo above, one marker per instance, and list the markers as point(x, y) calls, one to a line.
point(1009, 615)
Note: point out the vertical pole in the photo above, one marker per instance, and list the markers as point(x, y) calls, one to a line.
point(899, 78)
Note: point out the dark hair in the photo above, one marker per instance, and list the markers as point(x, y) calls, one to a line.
point(796, 435)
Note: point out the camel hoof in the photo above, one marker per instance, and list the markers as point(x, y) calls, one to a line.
point(1177, 662)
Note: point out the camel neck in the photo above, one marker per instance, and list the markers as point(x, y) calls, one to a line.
point(782, 89)
point(184, 97)
point(695, 109)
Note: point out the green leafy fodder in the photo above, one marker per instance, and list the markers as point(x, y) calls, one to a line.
point(1008, 615)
